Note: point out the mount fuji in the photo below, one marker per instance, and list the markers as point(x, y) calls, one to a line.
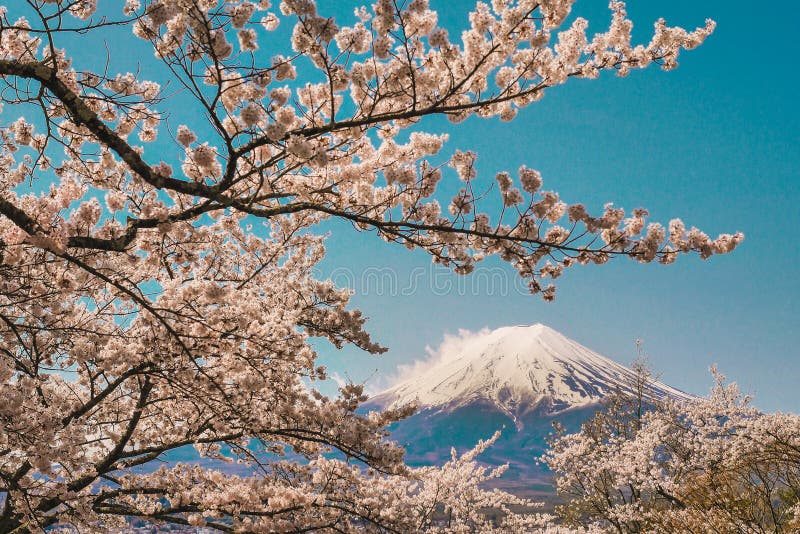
point(519, 380)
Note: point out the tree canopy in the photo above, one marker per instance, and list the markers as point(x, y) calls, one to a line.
point(156, 287)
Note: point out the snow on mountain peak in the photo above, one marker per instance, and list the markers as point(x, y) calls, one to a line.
point(515, 368)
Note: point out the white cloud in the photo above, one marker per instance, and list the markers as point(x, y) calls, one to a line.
point(452, 347)
point(339, 379)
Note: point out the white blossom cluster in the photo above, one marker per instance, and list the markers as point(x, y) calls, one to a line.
point(712, 464)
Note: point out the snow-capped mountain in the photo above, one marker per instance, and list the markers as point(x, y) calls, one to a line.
point(517, 369)
point(519, 380)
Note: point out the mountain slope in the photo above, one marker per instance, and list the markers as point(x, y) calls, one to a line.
point(519, 380)
point(518, 369)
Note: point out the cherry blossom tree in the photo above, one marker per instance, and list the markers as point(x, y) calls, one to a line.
point(157, 287)
point(712, 464)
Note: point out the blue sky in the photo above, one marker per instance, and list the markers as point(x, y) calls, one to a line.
point(714, 142)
